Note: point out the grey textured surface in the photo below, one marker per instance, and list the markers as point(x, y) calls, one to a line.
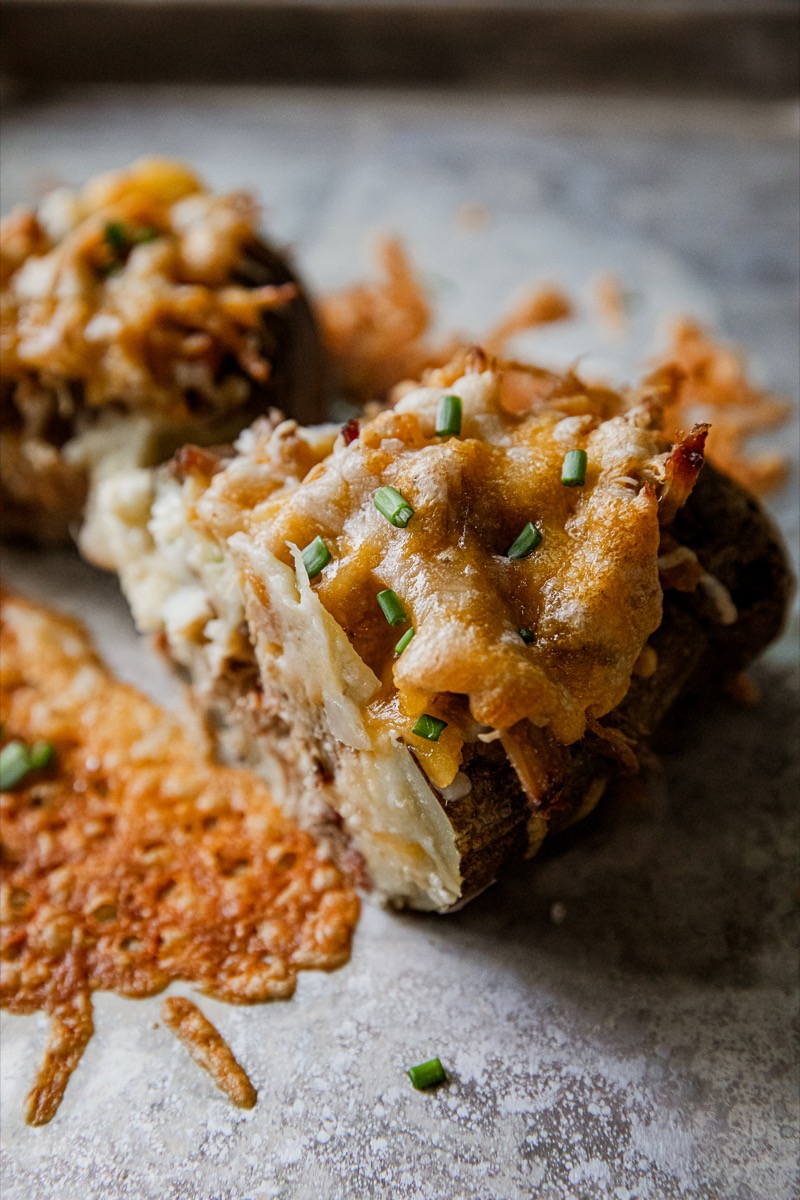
point(645, 1045)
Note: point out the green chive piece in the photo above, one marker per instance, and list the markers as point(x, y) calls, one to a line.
point(391, 607)
point(41, 754)
point(15, 762)
point(429, 727)
point(448, 416)
point(147, 233)
point(526, 542)
point(115, 236)
point(316, 556)
point(404, 640)
point(573, 471)
point(391, 504)
point(427, 1074)
point(527, 636)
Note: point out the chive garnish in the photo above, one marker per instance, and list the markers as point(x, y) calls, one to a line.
point(15, 762)
point(147, 233)
point(429, 727)
point(573, 470)
point(527, 636)
point(391, 607)
point(427, 1074)
point(391, 504)
point(448, 416)
point(115, 237)
point(120, 239)
point(525, 543)
point(404, 640)
point(316, 556)
point(41, 754)
point(17, 759)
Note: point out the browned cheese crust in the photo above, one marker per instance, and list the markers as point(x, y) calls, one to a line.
point(208, 1049)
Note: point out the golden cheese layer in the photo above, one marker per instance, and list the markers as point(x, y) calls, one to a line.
point(589, 592)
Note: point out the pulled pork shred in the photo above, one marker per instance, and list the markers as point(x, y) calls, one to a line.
point(378, 333)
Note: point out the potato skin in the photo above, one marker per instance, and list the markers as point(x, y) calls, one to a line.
point(292, 338)
point(737, 542)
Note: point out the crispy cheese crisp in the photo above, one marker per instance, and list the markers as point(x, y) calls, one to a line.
point(130, 861)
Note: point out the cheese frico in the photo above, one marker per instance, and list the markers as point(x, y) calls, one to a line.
point(130, 861)
point(303, 675)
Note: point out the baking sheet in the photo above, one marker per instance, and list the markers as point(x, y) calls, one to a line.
point(617, 1018)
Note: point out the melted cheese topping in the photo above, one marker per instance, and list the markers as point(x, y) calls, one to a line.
point(215, 566)
point(590, 591)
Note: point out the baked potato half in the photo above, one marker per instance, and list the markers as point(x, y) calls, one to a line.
point(439, 633)
point(137, 314)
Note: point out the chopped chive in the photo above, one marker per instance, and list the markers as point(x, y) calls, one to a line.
point(116, 237)
point(146, 233)
point(41, 754)
point(316, 556)
point(448, 416)
point(404, 640)
point(573, 471)
point(527, 636)
point(429, 727)
point(427, 1074)
point(525, 543)
point(391, 504)
point(15, 762)
point(391, 607)
point(119, 240)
